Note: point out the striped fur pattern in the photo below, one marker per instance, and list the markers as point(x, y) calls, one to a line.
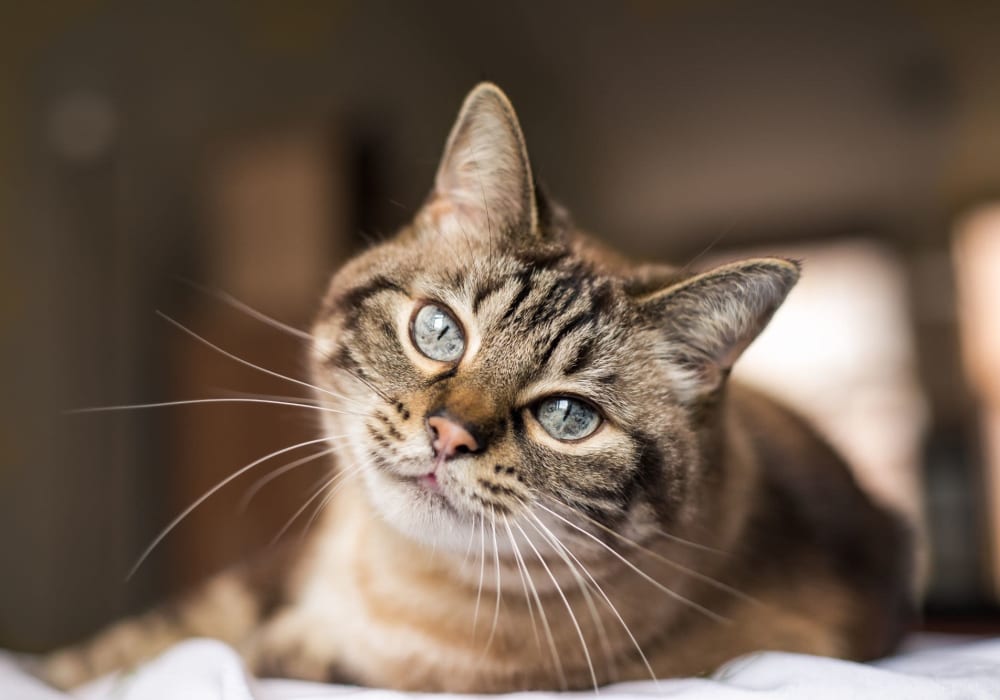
point(699, 521)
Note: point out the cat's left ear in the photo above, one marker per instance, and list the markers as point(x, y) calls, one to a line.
point(708, 320)
point(484, 185)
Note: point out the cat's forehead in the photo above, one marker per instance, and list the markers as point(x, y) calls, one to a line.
point(482, 271)
point(511, 291)
point(556, 318)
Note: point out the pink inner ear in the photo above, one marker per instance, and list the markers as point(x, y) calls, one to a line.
point(446, 216)
point(730, 354)
point(484, 178)
point(439, 208)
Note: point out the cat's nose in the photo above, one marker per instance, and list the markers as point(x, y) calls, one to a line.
point(449, 438)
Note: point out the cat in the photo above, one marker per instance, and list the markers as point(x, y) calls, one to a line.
point(546, 480)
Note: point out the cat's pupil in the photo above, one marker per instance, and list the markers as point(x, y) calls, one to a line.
point(437, 334)
point(565, 418)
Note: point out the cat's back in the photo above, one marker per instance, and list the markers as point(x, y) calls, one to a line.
point(812, 527)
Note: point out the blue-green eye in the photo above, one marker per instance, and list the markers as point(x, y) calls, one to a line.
point(566, 418)
point(437, 334)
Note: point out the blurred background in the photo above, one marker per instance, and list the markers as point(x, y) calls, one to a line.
point(252, 146)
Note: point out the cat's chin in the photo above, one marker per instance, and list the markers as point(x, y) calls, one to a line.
point(420, 510)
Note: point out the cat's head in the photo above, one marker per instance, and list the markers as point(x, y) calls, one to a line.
point(489, 363)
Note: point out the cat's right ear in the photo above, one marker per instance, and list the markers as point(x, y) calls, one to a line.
point(483, 187)
point(708, 320)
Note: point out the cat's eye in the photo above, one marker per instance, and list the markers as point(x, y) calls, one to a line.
point(566, 418)
point(437, 334)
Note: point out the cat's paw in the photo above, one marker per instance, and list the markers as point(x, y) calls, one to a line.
point(122, 646)
point(294, 645)
point(64, 669)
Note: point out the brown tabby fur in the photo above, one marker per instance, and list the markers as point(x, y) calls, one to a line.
point(701, 521)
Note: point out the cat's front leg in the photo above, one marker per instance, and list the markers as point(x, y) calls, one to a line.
point(298, 644)
point(225, 608)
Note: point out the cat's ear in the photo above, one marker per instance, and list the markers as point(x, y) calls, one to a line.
point(708, 320)
point(483, 185)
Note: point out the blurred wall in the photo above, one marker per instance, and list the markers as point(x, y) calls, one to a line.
point(668, 127)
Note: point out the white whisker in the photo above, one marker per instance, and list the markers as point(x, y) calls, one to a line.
point(319, 490)
point(607, 600)
point(569, 608)
point(227, 298)
point(689, 543)
point(242, 361)
point(187, 511)
point(193, 402)
point(553, 649)
point(468, 546)
point(348, 473)
point(521, 568)
point(313, 400)
point(496, 564)
point(265, 480)
point(673, 594)
point(277, 397)
point(561, 550)
point(704, 578)
point(340, 476)
point(482, 570)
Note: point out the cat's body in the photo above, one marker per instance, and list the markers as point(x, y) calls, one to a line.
point(548, 482)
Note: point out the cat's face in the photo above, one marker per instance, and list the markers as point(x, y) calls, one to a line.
point(489, 369)
point(500, 382)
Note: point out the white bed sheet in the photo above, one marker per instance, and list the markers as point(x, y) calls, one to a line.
point(935, 668)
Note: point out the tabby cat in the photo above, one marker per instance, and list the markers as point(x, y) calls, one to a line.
point(546, 481)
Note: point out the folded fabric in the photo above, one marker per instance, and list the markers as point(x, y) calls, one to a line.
point(204, 669)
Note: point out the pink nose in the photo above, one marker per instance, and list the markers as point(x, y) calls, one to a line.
point(450, 438)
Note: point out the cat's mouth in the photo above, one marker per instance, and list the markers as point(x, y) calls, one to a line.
point(429, 488)
point(429, 482)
